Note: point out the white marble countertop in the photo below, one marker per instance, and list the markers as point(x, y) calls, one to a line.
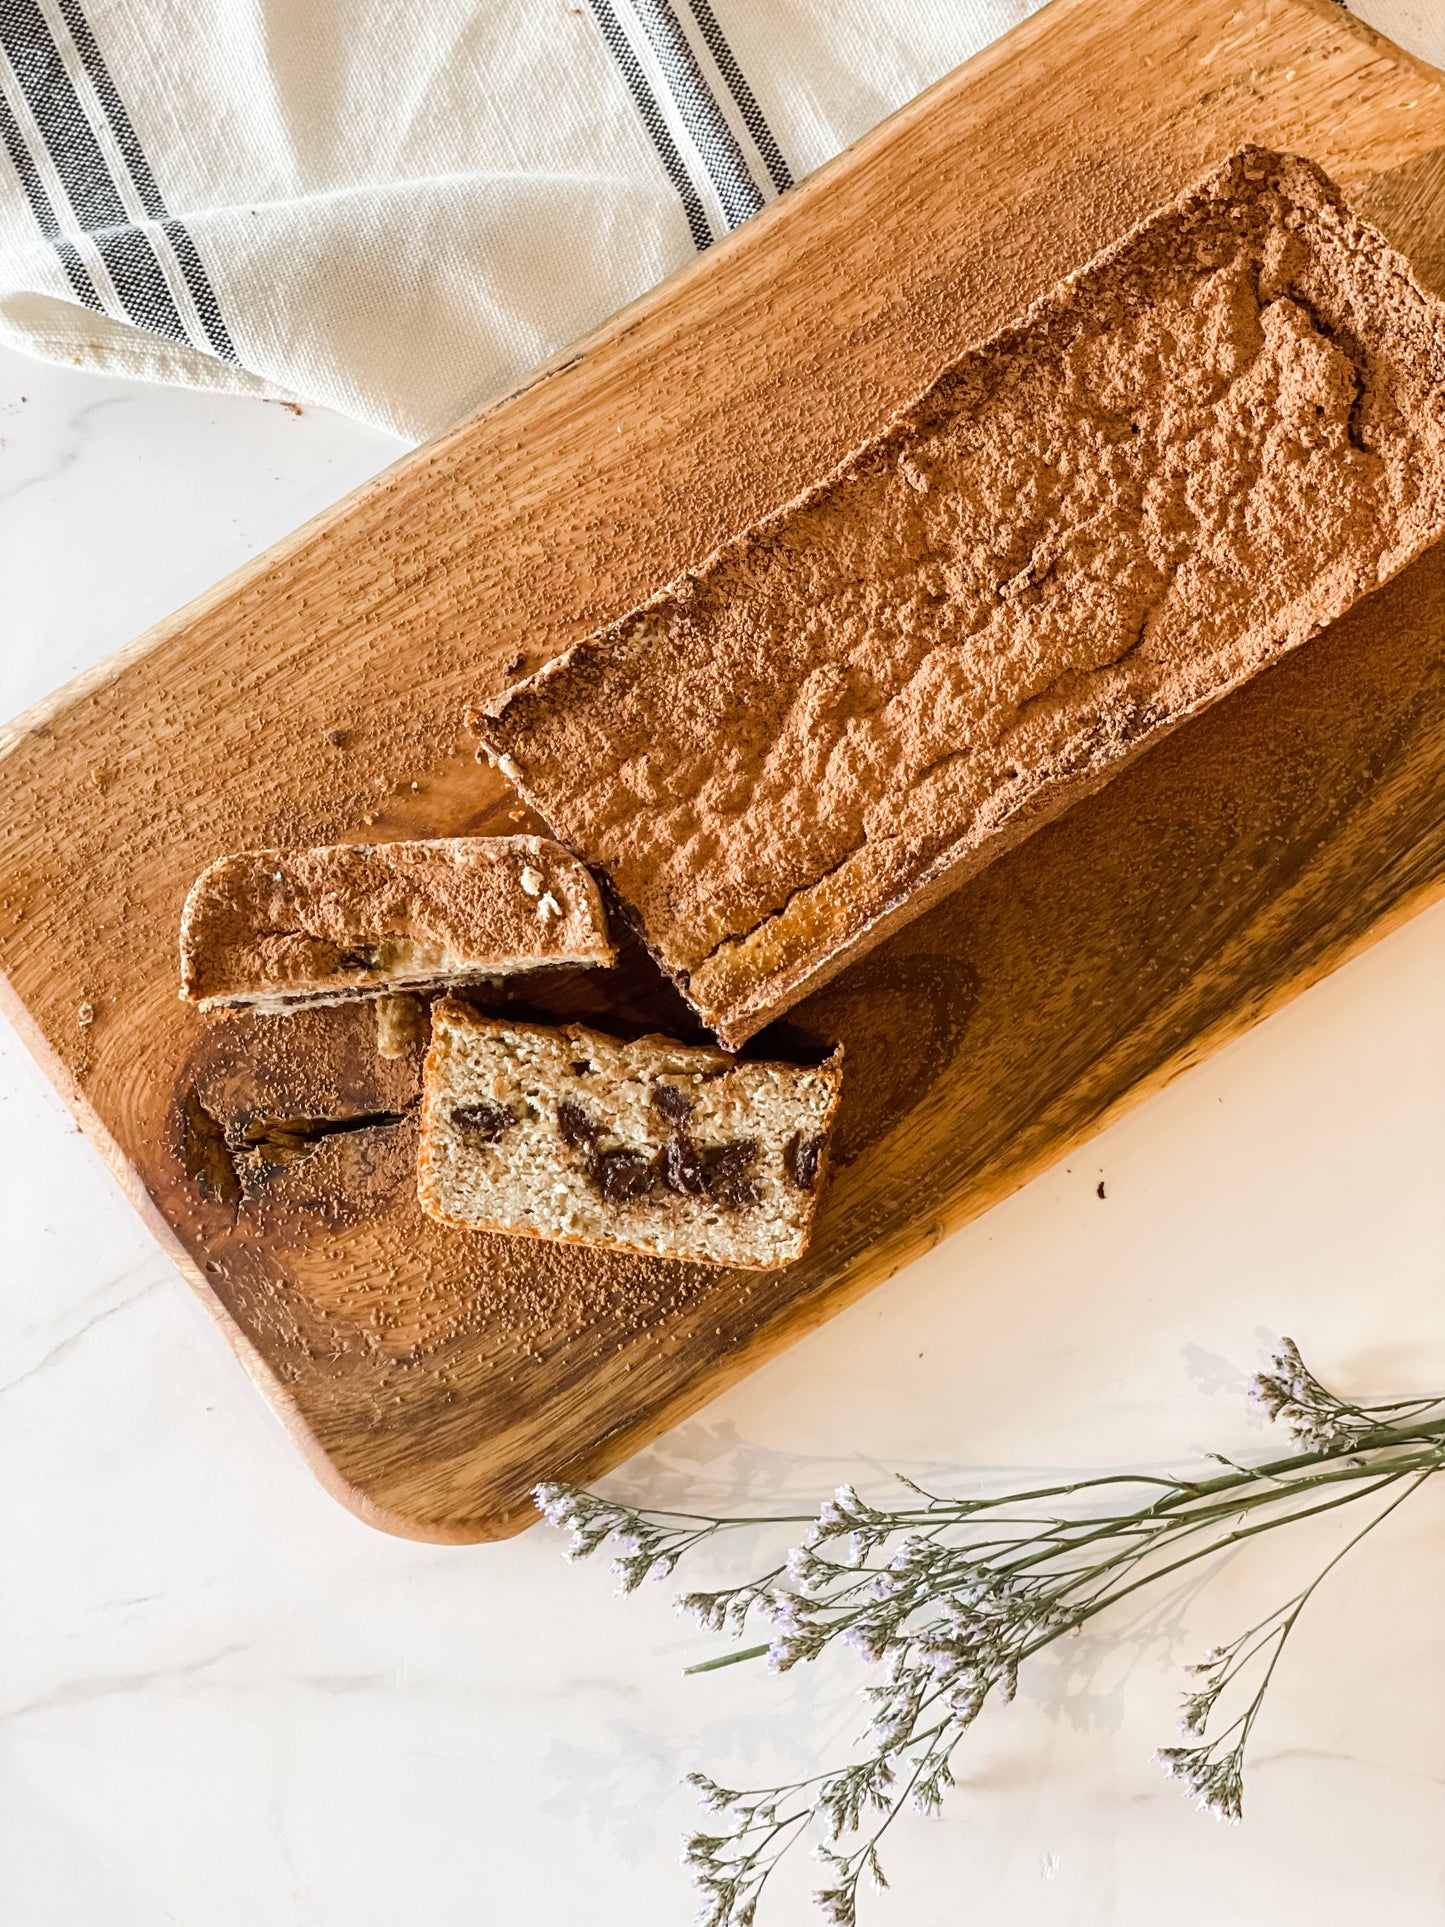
point(226, 1703)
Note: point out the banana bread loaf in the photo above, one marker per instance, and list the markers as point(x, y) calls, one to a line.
point(1187, 459)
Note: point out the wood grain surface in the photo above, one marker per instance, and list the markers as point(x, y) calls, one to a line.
point(433, 1376)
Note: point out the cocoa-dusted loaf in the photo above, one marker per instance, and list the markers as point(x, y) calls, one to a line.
point(658, 1147)
point(1185, 460)
point(273, 929)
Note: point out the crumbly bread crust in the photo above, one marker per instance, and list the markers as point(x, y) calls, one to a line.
point(1186, 460)
point(654, 1147)
point(274, 929)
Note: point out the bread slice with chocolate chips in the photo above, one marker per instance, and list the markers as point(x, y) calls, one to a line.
point(271, 930)
point(657, 1147)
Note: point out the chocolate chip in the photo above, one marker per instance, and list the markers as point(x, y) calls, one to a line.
point(723, 1162)
point(574, 1124)
point(737, 1190)
point(801, 1156)
point(710, 1170)
point(336, 738)
point(484, 1121)
point(620, 1175)
point(362, 956)
point(671, 1103)
point(581, 1067)
point(683, 1169)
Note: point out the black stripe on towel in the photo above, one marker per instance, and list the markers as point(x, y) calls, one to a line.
point(41, 208)
point(94, 198)
point(752, 115)
point(126, 139)
point(129, 252)
point(699, 110)
point(98, 74)
point(651, 116)
point(199, 283)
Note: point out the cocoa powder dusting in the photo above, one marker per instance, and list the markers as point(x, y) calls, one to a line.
point(1185, 461)
point(262, 920)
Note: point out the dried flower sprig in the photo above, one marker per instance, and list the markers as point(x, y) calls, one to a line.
point(948, 1598)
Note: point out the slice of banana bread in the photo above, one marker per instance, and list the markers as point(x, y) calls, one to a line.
point(272, 929)
point(1184, 461)
point(656, 1147)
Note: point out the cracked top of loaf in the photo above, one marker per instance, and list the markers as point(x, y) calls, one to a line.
point(272, 929)
point(1185, 460)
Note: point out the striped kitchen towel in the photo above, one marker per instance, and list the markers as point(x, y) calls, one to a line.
point(397, 206)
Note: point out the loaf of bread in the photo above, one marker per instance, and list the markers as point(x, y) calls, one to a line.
point(657, 1147)
point(1186, 460)
point(272, 929)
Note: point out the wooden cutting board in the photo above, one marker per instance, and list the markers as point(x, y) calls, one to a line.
point(432, 1377)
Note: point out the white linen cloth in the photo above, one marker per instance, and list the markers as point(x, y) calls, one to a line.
point(397, 206)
